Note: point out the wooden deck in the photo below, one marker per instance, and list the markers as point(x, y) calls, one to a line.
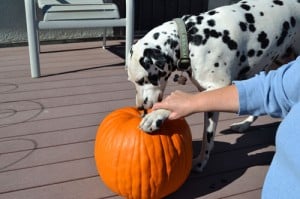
point(48, 126)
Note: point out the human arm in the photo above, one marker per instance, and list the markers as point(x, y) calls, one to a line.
point(272, 93)
point(182, 104)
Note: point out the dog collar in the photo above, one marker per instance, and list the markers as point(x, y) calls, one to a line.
point(184, 61)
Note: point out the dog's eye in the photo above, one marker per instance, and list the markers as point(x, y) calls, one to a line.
point(141, 81)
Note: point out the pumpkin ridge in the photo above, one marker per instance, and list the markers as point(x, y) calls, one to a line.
point(148, 161)
point(132, 170)
point(167, 161)
point(164, 175)
point(180, 139)
point(119, 185)
point(153, 165)
point(131, 188)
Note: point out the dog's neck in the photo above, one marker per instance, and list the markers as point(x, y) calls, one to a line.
point(166, 38)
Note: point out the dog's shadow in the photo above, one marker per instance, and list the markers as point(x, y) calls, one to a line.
point(229, 162)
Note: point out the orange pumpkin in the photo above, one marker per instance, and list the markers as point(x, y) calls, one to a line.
point(135, 164)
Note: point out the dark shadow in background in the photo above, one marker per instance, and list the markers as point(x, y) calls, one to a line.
point(229, 162)
point(118, 49)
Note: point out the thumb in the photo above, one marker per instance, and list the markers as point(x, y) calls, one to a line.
point(173, 116)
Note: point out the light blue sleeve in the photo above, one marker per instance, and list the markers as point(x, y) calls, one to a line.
point(273, 93)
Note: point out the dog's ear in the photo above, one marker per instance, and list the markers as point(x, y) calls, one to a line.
point(153, 56)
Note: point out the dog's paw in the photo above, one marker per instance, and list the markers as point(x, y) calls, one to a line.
point(243, 125)
point(240, 126)
point(153, 121)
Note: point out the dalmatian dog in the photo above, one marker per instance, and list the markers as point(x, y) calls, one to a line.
point(228, 43)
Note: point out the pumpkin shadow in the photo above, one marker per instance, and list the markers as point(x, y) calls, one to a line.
point(228, 162)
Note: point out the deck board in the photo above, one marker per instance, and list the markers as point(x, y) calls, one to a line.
point(48, 126)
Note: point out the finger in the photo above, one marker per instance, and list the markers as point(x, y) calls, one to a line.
point(158, 105)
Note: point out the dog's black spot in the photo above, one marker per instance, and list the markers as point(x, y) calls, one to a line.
point(169, 59)
point(213, 12)
point(277, 2)
point(243, 26)
point(242, 73)
point(158, 47)
point(209, 136)
point(293, 21)
point(238, 53)
point(153, 78)
point(216, 64)
point(286, 25)
point(211, 22)
point(146, 44)
point(263, 39)
point(131, 52)
point(232, 45)
point(199, 19)
point(249, 18)
point(211, 33)
point(251, 53)
point(215, 34)
point(245, 7)
point(167, 77)
point(145, 100)
point(189, 25)
point(196, 40)
point(159, 123)
point(141, 81)
point(259, 53)
point(284, 33)
point(252, 27)
point(243, 58)
point(261, 14)
point(176, 77)
point(177, 53)
point(173, 43)
point(193, 30)
point(156, 35)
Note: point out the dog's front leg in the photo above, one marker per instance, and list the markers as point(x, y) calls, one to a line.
point(153, 120)
point(210, 125)
point(243, 125)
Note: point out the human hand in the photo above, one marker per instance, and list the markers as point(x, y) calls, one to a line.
point(179, 103)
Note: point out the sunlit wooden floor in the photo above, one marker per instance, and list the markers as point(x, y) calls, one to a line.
point(48, 126)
